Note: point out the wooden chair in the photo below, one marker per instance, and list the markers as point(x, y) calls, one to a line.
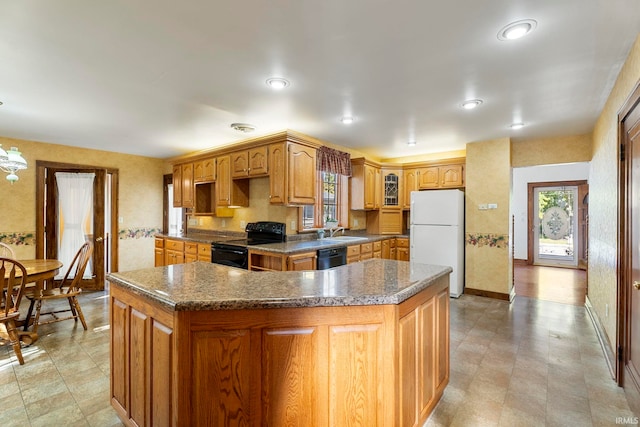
point(6, 251)
point(11, 291)
point(68, 288)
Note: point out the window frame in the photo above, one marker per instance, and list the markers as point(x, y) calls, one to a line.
point(342, 208)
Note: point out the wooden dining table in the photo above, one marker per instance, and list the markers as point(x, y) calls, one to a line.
point(38, 270)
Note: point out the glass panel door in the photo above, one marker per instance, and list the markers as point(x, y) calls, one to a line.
point(555, 227)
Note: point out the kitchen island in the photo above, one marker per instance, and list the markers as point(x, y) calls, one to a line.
point(204, 344)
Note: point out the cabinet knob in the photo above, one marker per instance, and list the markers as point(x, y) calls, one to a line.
point(636, 285)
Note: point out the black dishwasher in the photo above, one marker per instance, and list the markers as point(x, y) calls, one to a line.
point(332, 257)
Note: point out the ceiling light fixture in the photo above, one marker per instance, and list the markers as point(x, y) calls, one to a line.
point(243, 127)
point(517, 30)
point(277, 83)
point(10, 162)
point(347, 120)
point(411, 143)
point(516, 126)
point(471, 104)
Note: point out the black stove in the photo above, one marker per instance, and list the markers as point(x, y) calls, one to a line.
point(234, 253)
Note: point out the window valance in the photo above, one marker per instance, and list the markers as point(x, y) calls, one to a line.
point(334, 161)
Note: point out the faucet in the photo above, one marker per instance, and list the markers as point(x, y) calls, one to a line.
point(333, 231)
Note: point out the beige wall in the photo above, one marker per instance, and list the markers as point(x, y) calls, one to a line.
point(603, 189)
point(488, 180)
point(140, 198)
point(547, 151)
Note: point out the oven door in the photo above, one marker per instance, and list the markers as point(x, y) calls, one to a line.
point(233, 256)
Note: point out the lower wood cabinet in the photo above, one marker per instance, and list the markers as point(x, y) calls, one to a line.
point(173, 252)
point(272, 261)
point(402, 248)
point(159, 252)
point(378, 365)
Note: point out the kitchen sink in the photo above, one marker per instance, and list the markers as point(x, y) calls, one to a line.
point(343, 239)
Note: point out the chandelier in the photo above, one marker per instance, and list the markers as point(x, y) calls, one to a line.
point(10, 162)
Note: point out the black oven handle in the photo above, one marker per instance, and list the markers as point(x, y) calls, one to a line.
point(230, 251)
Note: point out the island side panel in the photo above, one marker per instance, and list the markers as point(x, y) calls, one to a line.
point(142, 360)
point(423, 334)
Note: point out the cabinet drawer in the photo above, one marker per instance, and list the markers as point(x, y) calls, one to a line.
point(191, 248)
point(366, 248)
point(353, 250)
point(204, 250)
point(159, 243)
point(392, 243)
point(402, 243)
point(174, 245)
point(377, 246)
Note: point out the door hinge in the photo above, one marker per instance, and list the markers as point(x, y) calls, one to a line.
point(622, 157)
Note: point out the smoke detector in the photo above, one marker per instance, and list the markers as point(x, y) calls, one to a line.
point(243, 127)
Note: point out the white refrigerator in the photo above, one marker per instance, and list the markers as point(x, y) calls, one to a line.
point(437, 232)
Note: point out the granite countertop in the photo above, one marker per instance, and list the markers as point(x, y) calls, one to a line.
point(205, 286)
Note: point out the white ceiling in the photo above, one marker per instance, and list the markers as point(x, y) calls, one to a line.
point(163, 77)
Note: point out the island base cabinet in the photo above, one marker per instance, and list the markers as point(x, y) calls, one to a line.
point(142, 348)
point(313, 366)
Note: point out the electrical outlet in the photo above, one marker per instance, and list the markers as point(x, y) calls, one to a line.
point(355, 222)
point(120, 220)
point(243, 224)
point(293, 225)
point(482, 206)
point(492, 206)
point(224, 223)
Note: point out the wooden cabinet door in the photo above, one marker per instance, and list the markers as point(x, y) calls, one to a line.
point(257, 160)
point(239, 164)
point(371, 187)
point(277, 173)
point(451, 176)
point(223, 181)
point(386, 249)
point(301, 262)
point(409, 184)
point(302, 175)
point(204, 170)
point(428, 178)
point(177, 186)
point(187, 185)
point(159, 258)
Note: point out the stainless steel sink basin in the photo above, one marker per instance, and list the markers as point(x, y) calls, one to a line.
point(343, 239)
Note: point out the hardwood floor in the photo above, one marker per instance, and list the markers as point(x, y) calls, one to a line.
point(563, 285)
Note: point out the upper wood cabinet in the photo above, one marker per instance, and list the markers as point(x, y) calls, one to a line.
point(444, 176)
point(366, 185)
point(183, 185)
point(204, 170)
point(229, 193)
point(409, 184)
point(249, 163)
point(292, 177)
point(392, 188)
point(301, 175)
point(384, 221)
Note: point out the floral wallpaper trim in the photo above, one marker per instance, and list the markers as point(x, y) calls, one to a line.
point(499, 241)
point(138, 233)
point(25, 238)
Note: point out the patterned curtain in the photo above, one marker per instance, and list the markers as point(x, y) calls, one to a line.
point(334, 161)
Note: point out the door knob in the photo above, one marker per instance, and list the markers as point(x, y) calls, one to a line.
point(636, 285)
point(99, 239)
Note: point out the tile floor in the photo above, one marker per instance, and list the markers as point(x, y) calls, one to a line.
point(529, 363)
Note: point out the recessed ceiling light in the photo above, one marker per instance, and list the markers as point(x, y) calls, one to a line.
point(411, 143)
point(1, 102)
point(516, 126)
point(277, 83)
point(517, 30)
point(471, 104)
point(243, 127)
point(347, 120)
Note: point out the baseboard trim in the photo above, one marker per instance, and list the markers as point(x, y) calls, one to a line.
point(603, 338)
point(520, 262)
point(488, 294)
